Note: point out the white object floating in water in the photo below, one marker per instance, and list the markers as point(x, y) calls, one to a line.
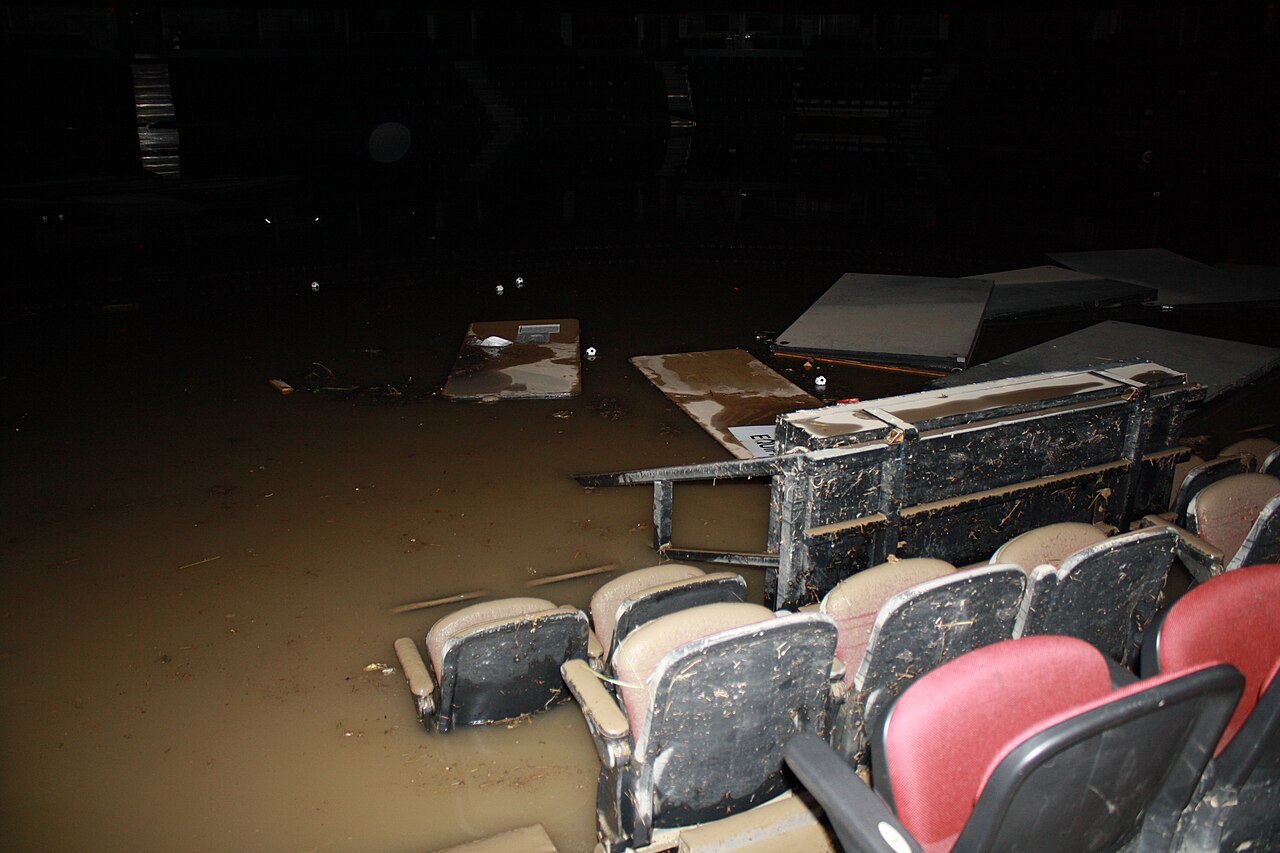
point(315, 287)
point(591, 352)
point(820, 381)
point(494, 341)
point(519, 281)
point(499, 289)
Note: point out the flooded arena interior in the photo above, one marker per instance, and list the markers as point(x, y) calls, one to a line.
point(199, 571)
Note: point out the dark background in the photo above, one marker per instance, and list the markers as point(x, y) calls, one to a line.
point(947, 140)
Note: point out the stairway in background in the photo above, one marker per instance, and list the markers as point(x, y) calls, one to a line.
point(157, 124)
point(508, 123)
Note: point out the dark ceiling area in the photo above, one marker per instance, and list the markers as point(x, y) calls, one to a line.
point(143, 139)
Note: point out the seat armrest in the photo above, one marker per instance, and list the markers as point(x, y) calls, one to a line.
point(860, 818)
point(1202, 559)
point(605, 720)
point(421, 685)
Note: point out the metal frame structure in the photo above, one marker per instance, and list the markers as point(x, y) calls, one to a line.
point(948, 473)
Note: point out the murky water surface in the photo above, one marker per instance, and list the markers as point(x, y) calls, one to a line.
point(197, 569)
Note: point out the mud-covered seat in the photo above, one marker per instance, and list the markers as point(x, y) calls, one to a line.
point(1231, 523)
point(1047, 545)
point(901, 619)
point(1233, 618)
point(1036, 744)
point(707, 698)
point(1191, 481)
point(630, 600)
point(1105, 593)
point(1259, 447)
point(493, 661)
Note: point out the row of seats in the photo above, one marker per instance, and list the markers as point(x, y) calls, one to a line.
point(882, 628)
point(707, 700)
point(1042, 744)
point(691, 693)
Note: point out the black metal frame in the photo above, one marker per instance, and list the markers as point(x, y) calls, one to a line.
point(954, 481)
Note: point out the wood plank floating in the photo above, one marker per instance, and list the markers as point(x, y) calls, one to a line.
point(1045, 289)
point(729, 393)
point(1220, 366)
point(914, 321)
point(517, 360)
point(1179, 280)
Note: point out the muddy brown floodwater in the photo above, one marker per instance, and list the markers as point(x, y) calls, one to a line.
point(197, 569)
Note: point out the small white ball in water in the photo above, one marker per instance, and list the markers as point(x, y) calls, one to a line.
point(499, 289)
point(315, 287)
point(519, 281)
point(591, 352)
point(820, 381)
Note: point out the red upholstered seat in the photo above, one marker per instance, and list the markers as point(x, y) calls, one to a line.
point(1028, 744)
point(1234, 617)
point(939, 759)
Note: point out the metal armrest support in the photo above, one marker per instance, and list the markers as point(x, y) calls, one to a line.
point(860, 818)
point(421, 685)
point(838, 689)
point(1202, 559)
point(595, 652)
point(605, 720)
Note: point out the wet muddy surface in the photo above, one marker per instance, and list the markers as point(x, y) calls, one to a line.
point(198, 570)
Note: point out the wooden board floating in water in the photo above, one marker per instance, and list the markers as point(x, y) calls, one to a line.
point(541, 362)
point(1220, 366)
point(729, 393)
point(916, 321)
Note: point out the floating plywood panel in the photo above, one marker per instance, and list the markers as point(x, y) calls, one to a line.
point(728, 393)
point(915, 321)
point(517, 359)
point(1034, 290)
point(1218, 365)
point(1179, 280)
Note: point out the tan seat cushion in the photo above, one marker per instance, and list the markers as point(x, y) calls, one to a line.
point(854, 602)
point(1224, 512)
point(608, 598)
point(639, 654)
point(1258, 447)
point(461, 621)
point(1048, 545)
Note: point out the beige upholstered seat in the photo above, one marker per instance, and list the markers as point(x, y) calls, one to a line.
point(461, 621)
point(1259, 447)
point(1224, 513)
point(493, 661)
point(608, 599)
point(639, 654)
point(1048, 545)
point(854, 602)
point(707, 698)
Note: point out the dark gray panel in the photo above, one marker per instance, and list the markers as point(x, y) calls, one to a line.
point(893, 319)
point(1220, 366)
